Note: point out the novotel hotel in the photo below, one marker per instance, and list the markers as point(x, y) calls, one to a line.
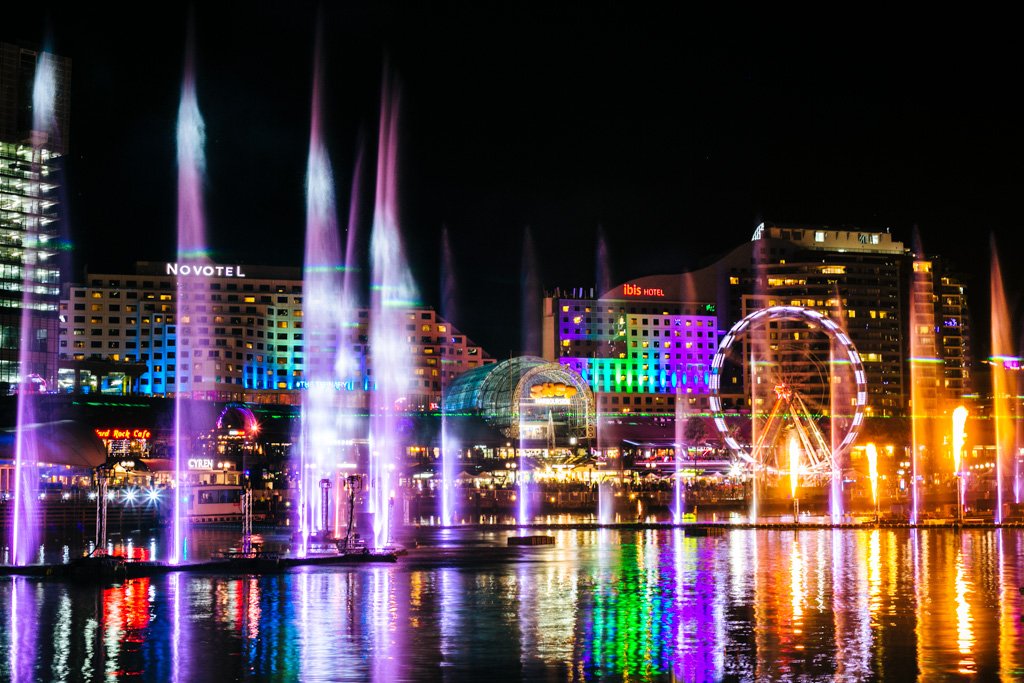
point(118, 335)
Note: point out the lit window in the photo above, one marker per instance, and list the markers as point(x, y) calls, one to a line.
point(819, 235)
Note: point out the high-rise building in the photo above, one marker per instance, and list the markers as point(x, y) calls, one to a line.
point(30, 154)
point(863, 279)
point(953, 320)
point(119, 334)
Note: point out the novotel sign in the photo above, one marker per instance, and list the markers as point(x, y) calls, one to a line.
point(637, 290)
point(200, 270)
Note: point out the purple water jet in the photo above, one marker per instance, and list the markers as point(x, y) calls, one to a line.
point(677, 449)
point(393, 293)
point(530, 347)
point(840, 396)
point(320, 449)
point(36, 275)
point(602, 276)
point(191, 134)
point(449, 447)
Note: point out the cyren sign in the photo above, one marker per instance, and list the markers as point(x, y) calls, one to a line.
point(114, 433)
point(200, 463)
point(637, 290)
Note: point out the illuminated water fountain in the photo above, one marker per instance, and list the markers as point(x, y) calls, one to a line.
point(36, 275)
point(679, 447)
point(192, 251)
point(605, 502)
point(959, 429)
point(926, 429)
point(872, 455)
point(602, 275)
point(393, 293)
point(320, 449)
point(449, 446)
point(531, 347)
point(1002, 381)
point(794, 474)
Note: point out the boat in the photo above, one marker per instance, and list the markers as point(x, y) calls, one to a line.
point(214, 504)
point(253, 562)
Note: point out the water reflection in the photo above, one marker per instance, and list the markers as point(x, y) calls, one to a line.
point(650, 605)
point(1011, 631)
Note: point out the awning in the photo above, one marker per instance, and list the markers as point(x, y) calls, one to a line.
point(64, 442)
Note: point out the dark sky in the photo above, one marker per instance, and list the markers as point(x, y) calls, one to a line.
point(672, 133)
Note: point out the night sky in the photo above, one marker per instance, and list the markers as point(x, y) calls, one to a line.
point(672, 134)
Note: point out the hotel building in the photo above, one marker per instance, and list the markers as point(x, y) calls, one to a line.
point(862, 279)
point(639, 348)
point(118, 334)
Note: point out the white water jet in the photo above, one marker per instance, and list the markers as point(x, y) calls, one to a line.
point(320, 449)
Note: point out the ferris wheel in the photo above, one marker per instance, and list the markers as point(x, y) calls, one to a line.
point(807, 384)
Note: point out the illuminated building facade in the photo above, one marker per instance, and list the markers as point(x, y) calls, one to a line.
point(638, 352)
point(954, 335)
point(29, 215)
point(249, 344)
point(861, 278)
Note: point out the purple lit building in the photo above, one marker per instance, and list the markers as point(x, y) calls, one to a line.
point(639, 353)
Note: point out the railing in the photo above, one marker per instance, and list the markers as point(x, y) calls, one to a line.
point(80, 513)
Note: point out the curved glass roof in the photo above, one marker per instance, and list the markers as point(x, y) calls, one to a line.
point(488, 389)
point(499, 394)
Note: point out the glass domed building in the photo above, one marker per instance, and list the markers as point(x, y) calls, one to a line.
point(527, 398)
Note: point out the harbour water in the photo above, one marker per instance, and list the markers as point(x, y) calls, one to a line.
point(654, 604)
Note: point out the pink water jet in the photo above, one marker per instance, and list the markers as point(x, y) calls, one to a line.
point(192, 250)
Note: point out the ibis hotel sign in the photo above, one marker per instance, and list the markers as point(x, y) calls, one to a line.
point(201, 270)
point(637, 290)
